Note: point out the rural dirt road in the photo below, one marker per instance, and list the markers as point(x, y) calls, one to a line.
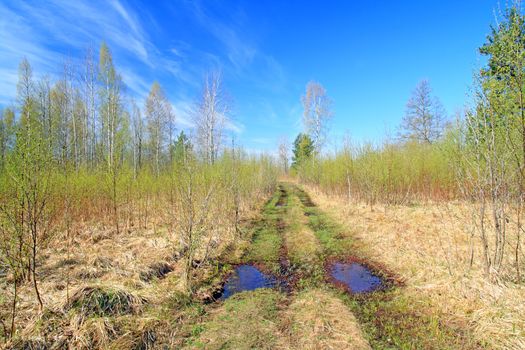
point(321, 291)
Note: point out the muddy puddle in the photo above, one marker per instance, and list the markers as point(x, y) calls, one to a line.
point(355, 277)
point(246, 278)
point(282, 200)
point(305, 199)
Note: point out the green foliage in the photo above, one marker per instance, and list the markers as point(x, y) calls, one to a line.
point(266, 239)
point(329, 234)
point(246, 321)
point(392, 320)
point(392, 173)
point(505, 46)
point(303, 150)
point(72, 154)
point(181, 148)
point(497, 122)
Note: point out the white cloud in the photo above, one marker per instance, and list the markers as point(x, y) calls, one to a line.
point(139, 86)
point(7, 86)
point(183, 110)
point(238, 51)
point(94, 21)
point(234, 126)
point(47, 32)
point(133, 24)
point(245, 58)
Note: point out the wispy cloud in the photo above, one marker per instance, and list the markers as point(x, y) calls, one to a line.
point(15, 44)
point(139, 85)
point(235, 126)
point(238, 50)
point(7, 86)
point(94, 21)
point(47, 32)
point(183, 110)
point(240, 54)
point(183, 117)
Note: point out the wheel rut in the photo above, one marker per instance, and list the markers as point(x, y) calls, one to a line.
point(328, 294)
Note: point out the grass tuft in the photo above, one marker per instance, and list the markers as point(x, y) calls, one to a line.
point(156, 270)
point(98, 301)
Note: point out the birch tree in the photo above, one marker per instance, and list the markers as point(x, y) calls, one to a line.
point(88, 82)
point(195, 189)
point(112, 122)
point(317, 112)
point(25, 214)
point(210, 117)
point(138, 135)
point(494, 158)
point(284, 154)
point(7, 123)
point(160, 120)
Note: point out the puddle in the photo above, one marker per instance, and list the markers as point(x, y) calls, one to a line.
point(305, 199)
point(244, 278)
point(280, 225)
point(282, 198)
point(356, 277)
point(281, 201)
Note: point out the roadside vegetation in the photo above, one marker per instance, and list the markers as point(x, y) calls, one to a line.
point(100, 200)
point(441, 202)
point(119, 231)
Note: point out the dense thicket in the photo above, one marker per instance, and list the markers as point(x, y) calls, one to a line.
point(391, 173)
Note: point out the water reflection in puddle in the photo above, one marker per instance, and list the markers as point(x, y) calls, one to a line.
point(356, 277)
point(247, 277)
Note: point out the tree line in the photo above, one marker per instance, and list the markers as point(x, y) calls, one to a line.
point(79, 149)
point(478, 156)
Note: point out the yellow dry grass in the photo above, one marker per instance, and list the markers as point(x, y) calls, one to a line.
point(300, 240)
point(302, 244)
point(429, 246)
point(96, 257)
point(319, 320)
point(100, 257)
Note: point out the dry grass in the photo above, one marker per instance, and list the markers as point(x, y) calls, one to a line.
point(120, 287)
point(98, 301)
point(319, 320)
point(115, 260)
point(300, 240)
point(429, 246)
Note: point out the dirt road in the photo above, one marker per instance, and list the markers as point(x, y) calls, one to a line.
point(309, 286)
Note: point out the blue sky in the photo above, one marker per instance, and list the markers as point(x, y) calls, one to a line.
point(368, 54)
